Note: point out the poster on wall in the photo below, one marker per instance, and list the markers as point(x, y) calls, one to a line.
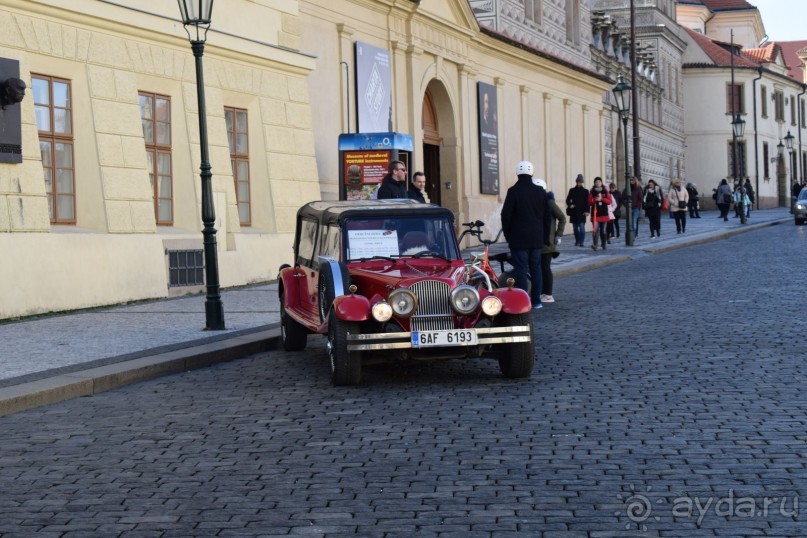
point(373, 83)
point(488, 138)
point(363, 172)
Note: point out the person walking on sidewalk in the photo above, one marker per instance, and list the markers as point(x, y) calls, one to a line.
point(694, 201)
point(678, 200)
point(749, 190)
point(557, 222)
point(652, 207)
point(577, 208)
point(636, 200)
point(598, 199)
point(612, 229)
point(525, 222)
point(723, 199)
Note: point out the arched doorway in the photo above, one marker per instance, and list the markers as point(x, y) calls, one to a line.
point(431, 148)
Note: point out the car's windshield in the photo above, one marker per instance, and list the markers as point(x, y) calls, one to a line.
point(803, 194)
point(400, 236)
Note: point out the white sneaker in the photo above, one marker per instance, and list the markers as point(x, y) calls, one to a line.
point(547, 299)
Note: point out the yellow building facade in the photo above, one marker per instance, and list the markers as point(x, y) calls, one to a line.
point(550, 111)
point(82, 223)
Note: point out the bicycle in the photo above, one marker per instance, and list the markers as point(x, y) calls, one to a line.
point(479, 268)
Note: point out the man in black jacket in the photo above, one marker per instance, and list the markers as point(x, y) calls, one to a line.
point(577, 208)
point(394, 183)
point(526, 223)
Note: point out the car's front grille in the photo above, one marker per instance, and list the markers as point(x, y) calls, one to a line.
point(434, 306)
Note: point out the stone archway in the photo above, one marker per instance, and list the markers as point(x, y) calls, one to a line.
point(431, 148)
point(441, 147)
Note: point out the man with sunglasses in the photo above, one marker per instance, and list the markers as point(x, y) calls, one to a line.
point(394, 183)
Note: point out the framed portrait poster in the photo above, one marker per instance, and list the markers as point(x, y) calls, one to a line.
point(488, 138)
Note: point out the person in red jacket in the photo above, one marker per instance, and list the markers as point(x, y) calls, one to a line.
point(598, 199)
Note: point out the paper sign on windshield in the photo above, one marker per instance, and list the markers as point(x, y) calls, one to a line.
point(369, 243)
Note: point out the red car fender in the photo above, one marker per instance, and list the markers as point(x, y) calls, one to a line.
point(291, 285)
point(514, 300)
point(352, 307)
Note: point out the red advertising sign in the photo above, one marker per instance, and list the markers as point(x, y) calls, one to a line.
point(364, 170)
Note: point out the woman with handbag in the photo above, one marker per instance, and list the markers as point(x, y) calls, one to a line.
point(652, 207)
point(678, 199)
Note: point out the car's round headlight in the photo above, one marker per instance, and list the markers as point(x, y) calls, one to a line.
point(491, 305)
point(403, 302)
point(464, 299)
point(799, 206)
point(382, 311)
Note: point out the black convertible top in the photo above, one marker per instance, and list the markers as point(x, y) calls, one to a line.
point(330, 212)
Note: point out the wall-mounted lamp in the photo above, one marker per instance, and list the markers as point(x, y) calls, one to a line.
point(448, 185)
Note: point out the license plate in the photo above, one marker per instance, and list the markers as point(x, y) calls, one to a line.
point(456, 337)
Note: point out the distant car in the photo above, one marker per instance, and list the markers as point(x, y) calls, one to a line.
point(387, 278)
point(800, 208)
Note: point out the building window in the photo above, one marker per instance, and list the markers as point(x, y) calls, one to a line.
point(766, 168)
point(533, 10)
point(741, 164)
point(802, 123)
point(793, 111)
point(155, 116)
point(779, 104)
point(734, 99)
point(573, 21)
point(53, 106)
point(238, 136)
point(764, 100)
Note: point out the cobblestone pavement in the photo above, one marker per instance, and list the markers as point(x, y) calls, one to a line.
point(668, 401)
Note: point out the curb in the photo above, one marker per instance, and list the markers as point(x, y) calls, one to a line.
point(92, 381)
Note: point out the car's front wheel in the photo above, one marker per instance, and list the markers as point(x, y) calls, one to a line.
point(518, 358)
point(293, 336)
point(345, 364)
point(327, 287)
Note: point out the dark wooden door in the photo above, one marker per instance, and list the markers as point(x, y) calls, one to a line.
point(431, 167)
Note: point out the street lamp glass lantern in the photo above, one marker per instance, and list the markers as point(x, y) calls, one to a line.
point(195, 12)
point(789, 141)
point(622, 92)
point(780, 148)
point(738, 125)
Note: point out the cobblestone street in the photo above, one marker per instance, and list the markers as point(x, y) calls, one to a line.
point(668, 400)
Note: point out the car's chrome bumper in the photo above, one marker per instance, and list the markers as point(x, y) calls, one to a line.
point(403, 340)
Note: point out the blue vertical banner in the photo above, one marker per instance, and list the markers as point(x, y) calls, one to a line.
point(488, 138)
point(373, 88)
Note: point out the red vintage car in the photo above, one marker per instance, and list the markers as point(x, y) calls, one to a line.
point(387, 278)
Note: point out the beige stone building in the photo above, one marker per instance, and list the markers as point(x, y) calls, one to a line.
point(550, 109)
point(105, 206)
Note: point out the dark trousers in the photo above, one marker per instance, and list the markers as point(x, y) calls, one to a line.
point(724, 210)
point(599, 230)
point(680, 221)
point(694, 212)
point(654, 217)
point(613, 226)
point(526, 267)
point(547, 280)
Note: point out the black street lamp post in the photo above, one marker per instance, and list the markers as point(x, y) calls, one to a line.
point(738, 131)
point(622, 94)
point(789, 145)
point(196, 14)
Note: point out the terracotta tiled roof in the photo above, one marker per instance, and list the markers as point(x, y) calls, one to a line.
point(718, 54)
point(766, 53)
point(727, 5)
point(790, 51)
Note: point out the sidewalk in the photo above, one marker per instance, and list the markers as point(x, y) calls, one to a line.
point(50, 359)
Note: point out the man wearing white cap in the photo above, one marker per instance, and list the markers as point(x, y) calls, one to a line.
point(525, 222)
